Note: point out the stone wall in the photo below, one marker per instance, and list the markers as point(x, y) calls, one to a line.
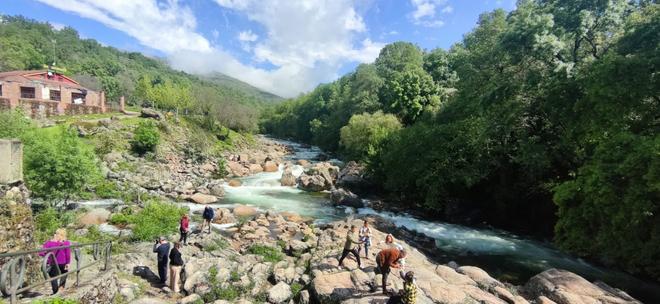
point(16, 225)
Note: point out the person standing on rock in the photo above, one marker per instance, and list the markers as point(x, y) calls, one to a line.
point(407, 295)
point(176, 262)
point(59, 262)
point(386, 260)
point(365, 237)
point(184, 228)
point(208, 216)
point(162, 248)
point(349, 247)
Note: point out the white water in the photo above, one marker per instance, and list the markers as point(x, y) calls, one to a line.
point(500, 253)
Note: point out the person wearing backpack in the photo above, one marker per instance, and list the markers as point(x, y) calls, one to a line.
point(208, 216)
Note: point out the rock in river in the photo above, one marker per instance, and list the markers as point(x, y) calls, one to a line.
point(201, 198)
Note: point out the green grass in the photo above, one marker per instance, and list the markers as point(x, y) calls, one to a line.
point(217, 244)
point(269, 254)
point(57, 300)
point(296, 288)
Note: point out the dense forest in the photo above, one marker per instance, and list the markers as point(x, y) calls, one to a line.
point(543, 119)
point(27, 44)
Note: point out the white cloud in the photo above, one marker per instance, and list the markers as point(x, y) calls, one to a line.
point(425, 11)
point(247, 36)
point(306, 42)
point(57, 26)
point(162, 25)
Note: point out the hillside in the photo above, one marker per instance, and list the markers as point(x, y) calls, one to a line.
point(28, 44)
point(231, 82)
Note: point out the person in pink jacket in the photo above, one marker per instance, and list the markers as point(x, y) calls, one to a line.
point(62, 258)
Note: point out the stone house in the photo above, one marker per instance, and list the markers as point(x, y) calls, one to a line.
point(44, 93)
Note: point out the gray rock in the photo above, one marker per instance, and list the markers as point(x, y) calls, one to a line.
point(279, 293)
point(287, 177)
point(190, 299)
point(151, 113)
point(346, 198)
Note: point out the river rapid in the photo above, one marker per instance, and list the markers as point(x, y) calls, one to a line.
point(505, 256)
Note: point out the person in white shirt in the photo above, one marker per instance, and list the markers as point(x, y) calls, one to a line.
point(365, 237)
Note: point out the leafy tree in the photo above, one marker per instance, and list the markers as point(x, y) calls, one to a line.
point(58, 166)
point(410, 93)
point(362, 137)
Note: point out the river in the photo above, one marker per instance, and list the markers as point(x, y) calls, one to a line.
point(504, 255)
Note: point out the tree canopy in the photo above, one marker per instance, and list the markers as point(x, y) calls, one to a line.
point(544, 119)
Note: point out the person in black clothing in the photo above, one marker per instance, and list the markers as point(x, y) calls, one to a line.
point(176, 262)
point(162, 248)
point(208, 216)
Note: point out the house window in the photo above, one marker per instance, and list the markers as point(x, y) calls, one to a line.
point(0, 90)
point(55, 95)
point(27, 92)
point(77, 98)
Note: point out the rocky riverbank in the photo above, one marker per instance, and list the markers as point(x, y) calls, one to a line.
point(281, 258)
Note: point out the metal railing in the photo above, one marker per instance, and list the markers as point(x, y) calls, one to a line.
point(13, 271)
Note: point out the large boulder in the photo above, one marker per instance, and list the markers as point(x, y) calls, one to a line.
point(351, 176)
point(151, 113)
point(217, 190)
point(480, 276)
point(224, 216)
point(279, 293)
point(346, 198)
point(314, 183)
point(201, 198)
point(565, 287)
point(333, 288)
point(319, 177)
point(242, 210)
point(288, 179)
point(95, 217)
point(256, 168)
point(237, 169)
point(270, 166)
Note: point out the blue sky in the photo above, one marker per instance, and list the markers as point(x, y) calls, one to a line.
point(282, 46)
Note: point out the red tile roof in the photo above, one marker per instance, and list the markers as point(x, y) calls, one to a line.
point(24, 77)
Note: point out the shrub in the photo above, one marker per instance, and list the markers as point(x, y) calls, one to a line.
point(156, 219)
point(362, 137)
point(269, 254)
point(120, 219)
point(145, 137)
point(49, 220)
point(14, 124)
point(56, 301)
point(107, 189)
point(107, 142)
point(59, 165)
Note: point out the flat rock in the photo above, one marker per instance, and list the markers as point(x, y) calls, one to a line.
point(201, 198)
point(242, 210)
point(95, 216)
